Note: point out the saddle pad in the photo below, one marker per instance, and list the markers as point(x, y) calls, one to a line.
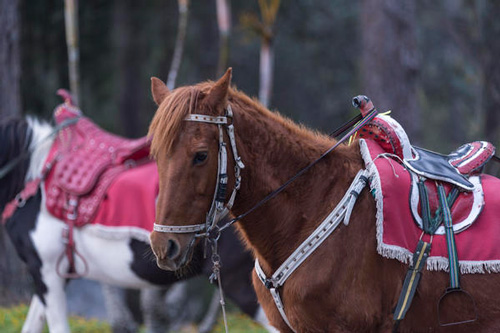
point(130, 199)
point(478, 247)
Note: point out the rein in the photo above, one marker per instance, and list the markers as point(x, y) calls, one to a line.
point(364, 120)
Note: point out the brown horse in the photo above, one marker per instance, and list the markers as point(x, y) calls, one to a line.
point(344, 286)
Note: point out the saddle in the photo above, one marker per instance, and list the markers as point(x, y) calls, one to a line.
point(460, 168)
point(83, 162)
point(446, 196)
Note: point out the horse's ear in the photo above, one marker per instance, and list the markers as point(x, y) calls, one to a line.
point(217, 96)
point(159, 90)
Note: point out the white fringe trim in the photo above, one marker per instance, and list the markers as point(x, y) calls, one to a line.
point(401, 254)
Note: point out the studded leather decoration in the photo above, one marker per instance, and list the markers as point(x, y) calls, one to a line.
point(384, 134)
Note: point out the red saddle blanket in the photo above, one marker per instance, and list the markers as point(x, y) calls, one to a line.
point(398, 232)
point(130, 199)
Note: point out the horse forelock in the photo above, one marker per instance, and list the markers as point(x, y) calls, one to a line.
point(168, 119)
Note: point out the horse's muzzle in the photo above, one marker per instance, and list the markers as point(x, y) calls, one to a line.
point(169, 252)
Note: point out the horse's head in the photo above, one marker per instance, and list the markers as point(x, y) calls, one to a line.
point(186, 149)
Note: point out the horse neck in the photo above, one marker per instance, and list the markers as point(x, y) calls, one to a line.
point(273, 151)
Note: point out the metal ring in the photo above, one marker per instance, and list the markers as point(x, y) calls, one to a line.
point(20, 201)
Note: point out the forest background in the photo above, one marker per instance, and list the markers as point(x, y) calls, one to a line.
point(435, 64)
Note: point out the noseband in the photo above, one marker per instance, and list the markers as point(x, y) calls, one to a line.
point(218, 209)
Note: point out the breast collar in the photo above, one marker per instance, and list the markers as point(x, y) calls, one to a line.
point(342, 212)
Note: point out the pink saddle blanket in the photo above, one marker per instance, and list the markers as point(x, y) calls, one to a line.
point(130, 199)
point(478, 246)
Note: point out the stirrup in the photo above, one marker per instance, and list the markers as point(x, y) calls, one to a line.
point(457, 296)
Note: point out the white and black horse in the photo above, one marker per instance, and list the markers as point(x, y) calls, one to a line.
point(120, 261)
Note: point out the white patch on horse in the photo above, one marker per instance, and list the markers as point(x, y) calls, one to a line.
point(40, 146)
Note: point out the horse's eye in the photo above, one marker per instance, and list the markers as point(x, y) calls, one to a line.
point(200, 157)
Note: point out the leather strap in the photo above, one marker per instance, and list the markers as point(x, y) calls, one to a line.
point(411, 280)
point(179, 229)
point(19, 201)
point(206, 119)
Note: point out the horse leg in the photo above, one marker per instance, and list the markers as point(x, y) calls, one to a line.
point(119, 316)
point(35, 320)
point(208, 322)
point(46, 238)
point(55, 304)
point(153, 308)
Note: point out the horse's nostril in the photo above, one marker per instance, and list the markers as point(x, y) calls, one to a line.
point(172, 249)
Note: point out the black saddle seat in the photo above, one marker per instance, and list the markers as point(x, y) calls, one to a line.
point(454, 168)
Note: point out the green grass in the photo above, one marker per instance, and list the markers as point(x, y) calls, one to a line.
point(236, 323)
point(12, 319)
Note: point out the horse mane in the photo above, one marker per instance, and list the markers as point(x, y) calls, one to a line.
point(240, 100)
point(168, 120)
point(15, 136)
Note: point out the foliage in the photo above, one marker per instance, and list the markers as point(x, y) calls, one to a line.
point(12, 319)
point(238, 322)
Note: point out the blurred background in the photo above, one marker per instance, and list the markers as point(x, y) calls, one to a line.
point(435, 64)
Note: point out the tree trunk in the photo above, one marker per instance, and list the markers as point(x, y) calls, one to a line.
point(14, 279)
point(10, 69)
point(266, 71)
point(179, 43)
point(390, 60)
point(491, 71)
point(224, 23)
point(128, 67)
point(71, 24)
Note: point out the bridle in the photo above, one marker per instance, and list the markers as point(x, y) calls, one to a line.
point(218, 209)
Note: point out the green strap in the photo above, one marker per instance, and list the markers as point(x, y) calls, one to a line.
point(412, 279)
point(450, 240)
point(424, 204)
point(431, 224)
